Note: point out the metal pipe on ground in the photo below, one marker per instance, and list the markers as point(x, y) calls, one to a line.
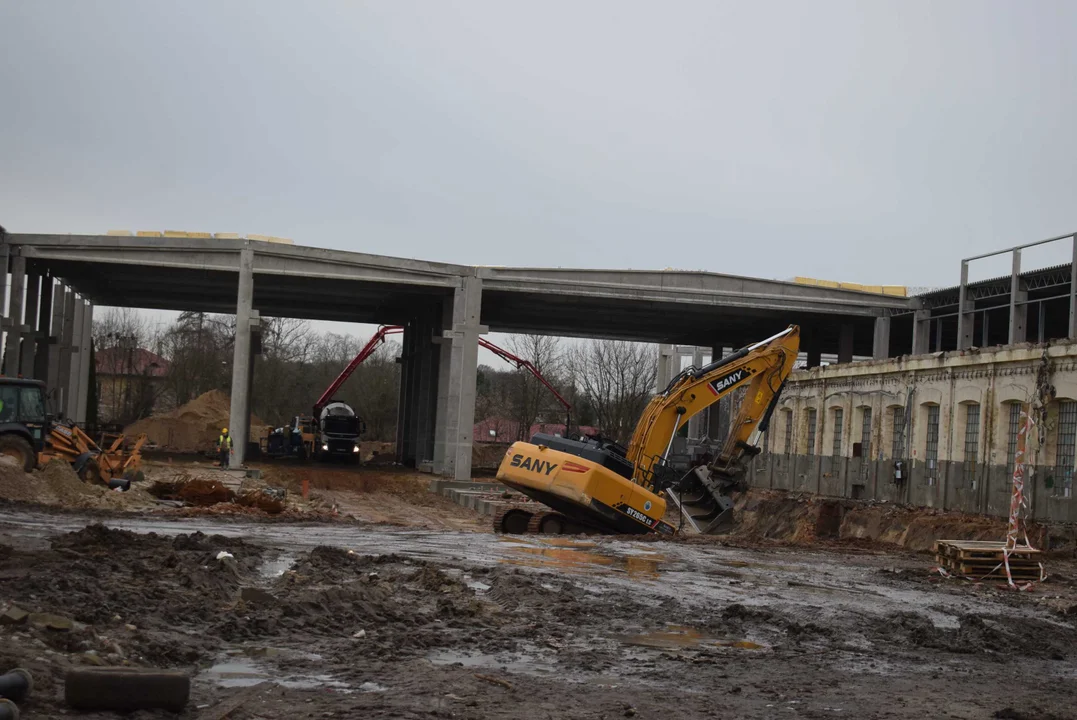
point(15, 685)
point(8, 710)
point(124, 689)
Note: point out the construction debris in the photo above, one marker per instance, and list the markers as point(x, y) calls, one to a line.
point(201, 492)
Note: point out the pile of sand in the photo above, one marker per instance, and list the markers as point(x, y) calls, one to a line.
point(193, 427)
point(57, 484)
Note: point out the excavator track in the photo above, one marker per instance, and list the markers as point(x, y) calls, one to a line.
point(515, 520)
point(512, 520)
point(554, 523)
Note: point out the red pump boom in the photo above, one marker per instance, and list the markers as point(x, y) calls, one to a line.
point(386, 330)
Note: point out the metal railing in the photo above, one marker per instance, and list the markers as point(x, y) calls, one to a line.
point(1018, 298)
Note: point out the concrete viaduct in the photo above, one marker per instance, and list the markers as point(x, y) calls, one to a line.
point(56, 280)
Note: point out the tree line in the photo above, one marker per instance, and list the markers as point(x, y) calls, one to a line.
point(607, 382)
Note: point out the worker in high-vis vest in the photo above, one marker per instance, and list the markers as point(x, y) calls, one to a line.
point(224, 447)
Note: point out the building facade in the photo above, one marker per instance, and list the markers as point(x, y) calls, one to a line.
point(937, 430)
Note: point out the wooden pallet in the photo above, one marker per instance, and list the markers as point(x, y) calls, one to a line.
point(984, 559)
point(982, 550)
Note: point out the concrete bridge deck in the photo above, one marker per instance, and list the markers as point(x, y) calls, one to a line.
point(445, 307)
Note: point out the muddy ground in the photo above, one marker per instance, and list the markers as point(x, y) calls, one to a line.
point(363, 619)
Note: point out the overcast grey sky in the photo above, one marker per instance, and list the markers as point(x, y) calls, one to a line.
point(876, 141)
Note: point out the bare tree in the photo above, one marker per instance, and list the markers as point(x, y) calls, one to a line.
point(530, 399)
point(617, 379)
point(198, 347)
point(127, 389)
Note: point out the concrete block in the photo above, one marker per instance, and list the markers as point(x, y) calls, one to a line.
point(14, 615)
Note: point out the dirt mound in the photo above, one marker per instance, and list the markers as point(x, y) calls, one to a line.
point(200, 492)
point(57, 484)
point(136, 594)
point(403, 607)
point(487, 455)
point(804, 519)
point(979, 635)
point(193, 427)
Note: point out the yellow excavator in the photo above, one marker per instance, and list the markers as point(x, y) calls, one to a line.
point(594, 485)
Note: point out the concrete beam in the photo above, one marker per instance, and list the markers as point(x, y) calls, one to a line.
point(240, 417)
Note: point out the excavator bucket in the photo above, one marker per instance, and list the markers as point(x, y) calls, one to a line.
point(703, 502)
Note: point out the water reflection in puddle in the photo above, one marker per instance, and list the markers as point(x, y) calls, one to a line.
point(678, 637)
point(277, 567)
point(571, 556)
point(238, 672)
point(522, 663)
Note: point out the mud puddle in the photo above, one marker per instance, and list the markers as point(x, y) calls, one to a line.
point(528, 661)
point(678, 637)
point(244, 667)
point(804, 585)
point(275, 567)
point(578, 557)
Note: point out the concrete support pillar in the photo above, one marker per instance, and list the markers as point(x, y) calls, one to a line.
point(59, 305)
point(880, 349)
point(84, 363)
point(1018, 311)
point(1018, 317)
point(63, 380)
point(29, 341)
point(965, 319)
point(405, 420)
point(427, 370)
point(4, 264)
point(44, 331)
point(695, 421)
point(441, 403)
point(74, 374)
point(13, 322)
point(1073, 292)
point(845, 343)
point(418, 442)
point(668, 366)
point(239, 418)
point(921, 332)
point(462, 349)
